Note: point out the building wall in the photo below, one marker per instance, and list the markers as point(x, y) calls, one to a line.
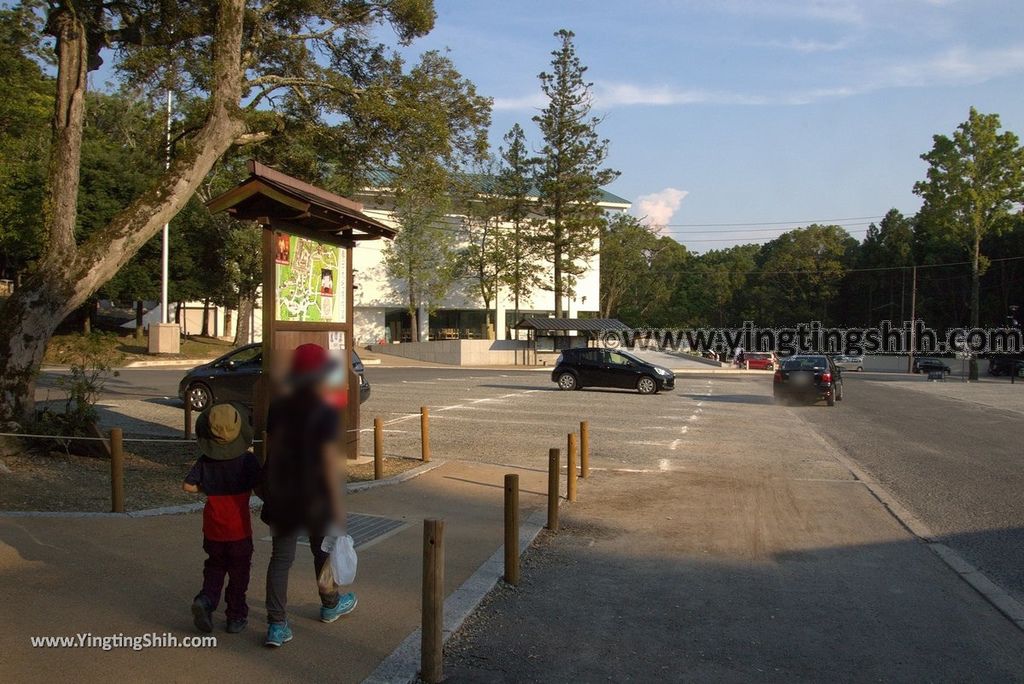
point(378, 293)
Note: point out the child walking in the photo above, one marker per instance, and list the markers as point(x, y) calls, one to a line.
point(226, 472)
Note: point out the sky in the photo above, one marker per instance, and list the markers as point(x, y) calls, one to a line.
point(769, 112)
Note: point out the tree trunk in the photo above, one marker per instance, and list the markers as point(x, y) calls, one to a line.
point(139, 328)
point(975, 300)
point(69, 274)
point(227, 321)
point(205, 332)
point(245, 306)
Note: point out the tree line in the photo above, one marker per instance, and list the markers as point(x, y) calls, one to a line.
point(967, 242)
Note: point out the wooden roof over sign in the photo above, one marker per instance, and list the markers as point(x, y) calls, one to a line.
point(280, 201)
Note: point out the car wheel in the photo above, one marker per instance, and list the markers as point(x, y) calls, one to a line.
point(567, 382)
point(832, 397)
point(199, 396)
point(839, 393)
point(646, 385)
point(860, 369)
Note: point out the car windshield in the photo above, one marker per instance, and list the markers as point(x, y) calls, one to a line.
point(758, 355)
point(805, 363)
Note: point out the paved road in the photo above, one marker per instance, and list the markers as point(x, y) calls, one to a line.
point(955, 464)
point(958, 466)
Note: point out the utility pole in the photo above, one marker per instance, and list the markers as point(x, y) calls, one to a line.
point(165, 254)
point(913, 321)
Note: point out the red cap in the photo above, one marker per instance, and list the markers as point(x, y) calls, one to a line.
point(308, 358)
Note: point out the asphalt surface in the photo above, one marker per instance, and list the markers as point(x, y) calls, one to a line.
point(954, 464)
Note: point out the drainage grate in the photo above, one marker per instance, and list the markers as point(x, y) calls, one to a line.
point(363, 528)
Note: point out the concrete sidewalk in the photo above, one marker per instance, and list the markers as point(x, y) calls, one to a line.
point(108, 576)
point(725, 577)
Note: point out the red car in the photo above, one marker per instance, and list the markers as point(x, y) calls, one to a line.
point(761, 360)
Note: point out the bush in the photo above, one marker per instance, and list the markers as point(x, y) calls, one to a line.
point(83, 384)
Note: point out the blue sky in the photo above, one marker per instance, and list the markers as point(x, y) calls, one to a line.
point(753, 111)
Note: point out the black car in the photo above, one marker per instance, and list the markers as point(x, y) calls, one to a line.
point(1004, 364)
point(926, 364)
point(595, 367)
point(233, 377)
point(810, 378)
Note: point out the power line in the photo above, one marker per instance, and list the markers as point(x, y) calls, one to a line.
point(769, 223)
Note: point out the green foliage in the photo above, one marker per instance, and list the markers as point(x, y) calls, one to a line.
point(82, 386)
point(570, 170)
point(517, 206)
point(974, 180)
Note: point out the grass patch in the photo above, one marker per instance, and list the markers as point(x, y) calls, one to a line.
point(114, 350)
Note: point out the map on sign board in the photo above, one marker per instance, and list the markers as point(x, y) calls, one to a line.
point(310, 280)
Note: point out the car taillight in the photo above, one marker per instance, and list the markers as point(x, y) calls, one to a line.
point(778, 375)
point(826, 378)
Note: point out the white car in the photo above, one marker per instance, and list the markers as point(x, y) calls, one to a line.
point(854, 363)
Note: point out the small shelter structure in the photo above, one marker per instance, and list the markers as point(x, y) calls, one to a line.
point(308, 237)
point(553, 334)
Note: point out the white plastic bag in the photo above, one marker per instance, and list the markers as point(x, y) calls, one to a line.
point(342, 559)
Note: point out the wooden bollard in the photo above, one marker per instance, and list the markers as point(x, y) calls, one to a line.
point(117, 470)
point(554, 465)
point(570, 471)
point(378, 448)
point(425, 433)
point(432, 639)
point(188, 419)
point(584, 448)
point(512, 529)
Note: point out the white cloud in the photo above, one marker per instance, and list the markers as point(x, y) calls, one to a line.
point(658, 208)
point(809, 46)
point(955, 66)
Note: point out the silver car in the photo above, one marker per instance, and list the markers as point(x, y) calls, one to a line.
point(854, 363)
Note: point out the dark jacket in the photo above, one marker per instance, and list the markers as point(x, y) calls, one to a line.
point(294, 488)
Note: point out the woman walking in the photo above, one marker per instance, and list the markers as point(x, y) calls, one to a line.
point(302, 483)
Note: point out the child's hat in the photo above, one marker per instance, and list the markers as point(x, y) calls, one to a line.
point(223, 432)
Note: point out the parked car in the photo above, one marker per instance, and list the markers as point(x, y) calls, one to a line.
point(849, 362)
point(1003, 364)
point(594, 367)
point(926, 364)
point(761, 360)
point(808, 377)
point(233, 377)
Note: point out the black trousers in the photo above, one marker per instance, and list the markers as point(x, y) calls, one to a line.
point(281, 558)
point(231, 559)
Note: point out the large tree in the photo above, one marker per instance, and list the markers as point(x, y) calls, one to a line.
point(249, 65)
point(518, 208)
point(570, 171)
point(975, 181)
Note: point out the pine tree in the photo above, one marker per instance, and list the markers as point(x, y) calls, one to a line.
point(570, 173)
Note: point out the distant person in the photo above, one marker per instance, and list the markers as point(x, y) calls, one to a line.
point(226, 472)
point(302, 483)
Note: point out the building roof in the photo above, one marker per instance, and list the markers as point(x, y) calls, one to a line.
point(487, 183)
point(581, 324)
point(281, 201)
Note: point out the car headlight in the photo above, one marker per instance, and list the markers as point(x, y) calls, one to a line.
point(661, 371)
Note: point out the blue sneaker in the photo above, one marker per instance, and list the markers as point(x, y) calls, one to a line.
point(278, 633)
point(346, 604)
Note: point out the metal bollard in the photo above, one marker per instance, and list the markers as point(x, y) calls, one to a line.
point(117, 470)
point(378, 448)
point(431, 632)
point(570, 471)
point(584, 448)
point(425, 433)
point(512, 529)
point(554, 465)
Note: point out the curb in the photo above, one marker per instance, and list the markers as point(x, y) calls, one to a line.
point(997, 597)
point(254, 503)
point(167, 362)
point(403, 664)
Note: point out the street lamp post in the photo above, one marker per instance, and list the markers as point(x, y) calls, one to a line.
point(165, 252)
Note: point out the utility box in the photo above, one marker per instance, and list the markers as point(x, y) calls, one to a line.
point(164, 338)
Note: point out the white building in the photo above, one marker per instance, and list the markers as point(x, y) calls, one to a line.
point(381, 311)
